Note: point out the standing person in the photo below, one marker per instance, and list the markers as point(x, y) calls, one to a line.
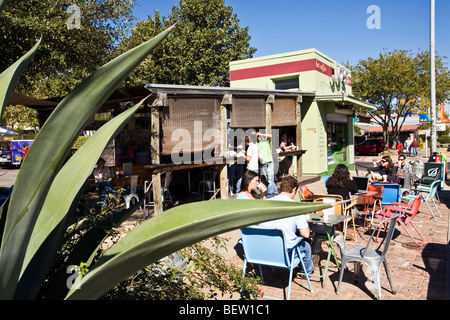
point(341, 182)
point(236, 168)
point(25, 150)
point(292, 225)
point(285, 162)
point(385, 172)
point(398, 147)
point(408, 146)
point(251, 156)
point(268, 167)
point(285, 145)
point(249, 186)
point(415, 147)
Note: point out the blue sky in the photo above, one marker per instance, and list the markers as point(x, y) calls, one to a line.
point(337, 28)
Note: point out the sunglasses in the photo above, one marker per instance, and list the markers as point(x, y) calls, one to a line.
point(401, 159)
point(383, 161)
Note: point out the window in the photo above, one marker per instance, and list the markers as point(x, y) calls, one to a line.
point(285, 84)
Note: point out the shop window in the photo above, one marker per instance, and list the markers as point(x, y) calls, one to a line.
point(286, 84)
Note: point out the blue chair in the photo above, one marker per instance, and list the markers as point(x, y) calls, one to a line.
point(267, 247)
point(428, 194)
point(325, 179)
point(391, 192)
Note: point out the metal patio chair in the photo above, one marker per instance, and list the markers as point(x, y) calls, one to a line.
point(373, 258)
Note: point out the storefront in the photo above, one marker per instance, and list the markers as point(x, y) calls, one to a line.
point(327, 118)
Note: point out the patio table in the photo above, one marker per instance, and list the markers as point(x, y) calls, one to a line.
point(330, 226)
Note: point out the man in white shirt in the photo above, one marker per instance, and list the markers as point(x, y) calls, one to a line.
point(251, 155)
point(252, 158)
point(292, 225)
point(408, 146)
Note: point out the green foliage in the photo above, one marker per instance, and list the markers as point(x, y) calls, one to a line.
point(80, 141)
point(398, 82)
point(37, 218)
point(66, 56)
point(19, 117)
point(444, 139)
point(208, 275)
point(207, 38)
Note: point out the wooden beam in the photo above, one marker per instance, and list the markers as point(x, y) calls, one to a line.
point(269, 106)
point(298, 138)
point(155, 157)
point(226, 100)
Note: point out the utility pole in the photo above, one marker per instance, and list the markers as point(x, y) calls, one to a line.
point(433, 81)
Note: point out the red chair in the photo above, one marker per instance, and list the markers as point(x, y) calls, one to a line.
point(371, 202)
point(407, 214)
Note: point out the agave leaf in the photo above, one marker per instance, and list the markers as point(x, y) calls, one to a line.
point(175, 229)
point(48, 152)
point(10, 76)
point(2, 6)
point(87, 247)
point(54, 216)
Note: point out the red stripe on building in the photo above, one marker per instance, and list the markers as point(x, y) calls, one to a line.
point(281, 68)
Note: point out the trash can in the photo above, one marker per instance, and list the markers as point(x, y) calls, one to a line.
point(418, 168)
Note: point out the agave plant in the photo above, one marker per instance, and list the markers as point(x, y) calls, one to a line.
point(34, 219)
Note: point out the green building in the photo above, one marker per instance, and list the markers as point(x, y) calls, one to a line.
point(327, 117)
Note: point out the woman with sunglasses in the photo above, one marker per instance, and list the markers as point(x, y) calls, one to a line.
point(249, 186)
point(385, 172)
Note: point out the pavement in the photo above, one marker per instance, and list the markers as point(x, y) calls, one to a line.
point(418, 273)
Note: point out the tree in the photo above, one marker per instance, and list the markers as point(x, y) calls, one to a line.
point(207, 38)
point(19, 117)
point(35, 217)
point(397, 83)
point(78, 37)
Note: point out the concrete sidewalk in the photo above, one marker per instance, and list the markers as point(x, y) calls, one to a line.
point(418, 273)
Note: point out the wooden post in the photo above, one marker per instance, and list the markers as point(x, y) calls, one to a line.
point(155, 130)
point(269, 104)
point(226, 100)
point(298, 138)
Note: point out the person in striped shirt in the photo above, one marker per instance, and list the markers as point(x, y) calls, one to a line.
point(266, 159)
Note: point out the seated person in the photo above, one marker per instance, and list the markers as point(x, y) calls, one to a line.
point(102, 176)
point(402, 168)
point(385, 172)
point(292, 225)
point(341, 182)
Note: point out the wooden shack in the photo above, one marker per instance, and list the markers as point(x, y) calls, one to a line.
point(185, 127)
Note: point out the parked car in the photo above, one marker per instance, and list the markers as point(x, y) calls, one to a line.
point(369, 146)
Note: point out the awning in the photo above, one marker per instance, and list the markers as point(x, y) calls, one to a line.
point(345, 101)
point(20, 99)
point(7, 131)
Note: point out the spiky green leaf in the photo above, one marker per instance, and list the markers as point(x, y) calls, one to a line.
point(54, 216)
point(175, 229)
point(48, 152)
point(10, 76)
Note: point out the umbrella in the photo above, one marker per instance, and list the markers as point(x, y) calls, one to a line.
point(6, 131)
